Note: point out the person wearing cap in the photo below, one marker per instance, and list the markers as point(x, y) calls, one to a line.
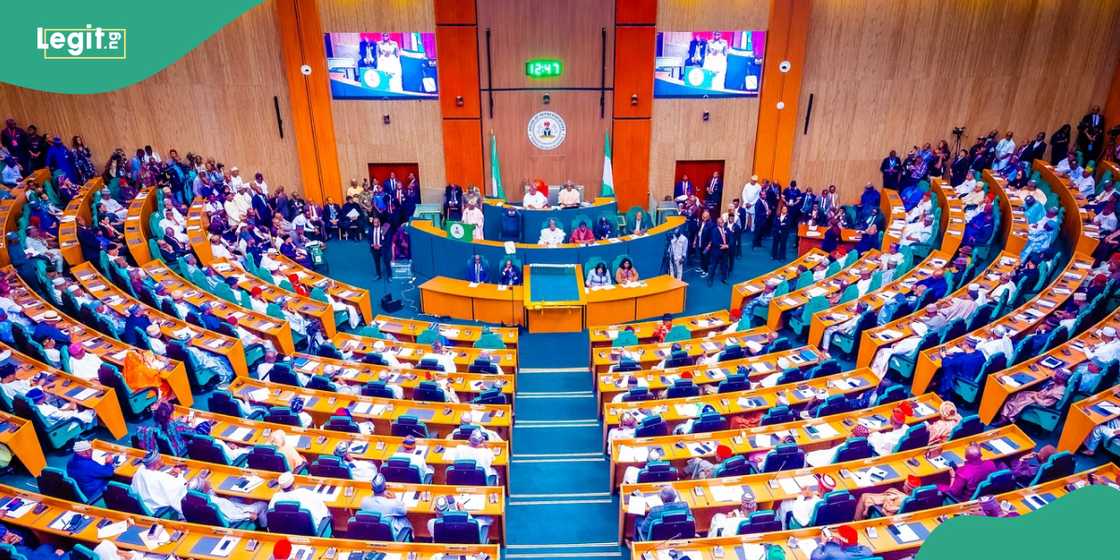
point(670, 503)
point(627, 425)
point(932, 321)
point(142, 370)
point(762, 299)
point(846, 327)
point(45, 328)
point(825, 456)
point(800, 508)
point(467, 425)
point(842, 545)
point(475, 450)
point(257, 301)
point(39, 245)
point(360, 469)
point(888, 501)
point(884, 442)
point(159, 488)
point(964, 479)
point(155, 341)
point(942, 428)
point(279, 439)
point(307, 498)
point(962, 307)
point(1101, 353)
point(380, 349)
point(389, 506)
point(24, 545)
point(750, 196)
point(91, 476)
point(408, 451)
point(84, 364)
point(727, 524)
point(445, 358)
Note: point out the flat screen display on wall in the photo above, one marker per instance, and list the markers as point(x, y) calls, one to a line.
point(709, 63)
point(386, 65)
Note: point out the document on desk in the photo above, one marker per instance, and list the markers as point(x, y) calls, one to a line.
point(629, 454)
point(161, 538)
point(726, 493)
point(688, 410)
point(904, 533)
point(1001, 446)
point(248, 483)
point(61, 522)
point(20, 511)
point(224, 547)
point(258, 395)
point(111, 530)
point(824, 431)
point(789, 486)
point(636, 505)
point(471, 502)
point(752, 551)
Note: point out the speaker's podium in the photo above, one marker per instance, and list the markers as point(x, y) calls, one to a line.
point(554, 297)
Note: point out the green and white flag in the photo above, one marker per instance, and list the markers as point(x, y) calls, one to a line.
point(460, 231)
point(495, 170)
point(607, 189)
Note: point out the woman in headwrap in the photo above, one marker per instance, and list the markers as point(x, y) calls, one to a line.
point(1050, 393)
point(822, 457)
point(279, 439)
point(939, 430)
point(167, 426)
point(142, 372)
point(298, 286)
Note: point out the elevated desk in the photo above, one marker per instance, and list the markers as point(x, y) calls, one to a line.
point(533, 221)
point(79, 207)
point(555, 300)
point(649, 297)
point(1086, 414)
point(444, 296)
point(698, 326)
point(788, 273)
point(457, 335)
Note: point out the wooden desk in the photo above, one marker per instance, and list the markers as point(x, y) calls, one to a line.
point(310, 309)
point(197, 222)
point(651, 297)
point(321, 405)
point(343, 500)
point(313, 442)
point(78, 208)
point(457, 335)
point(826, 287)
point(411, 352)
point(853, 476)
point(827, 432)
point(837, 314)
point(1077, 223)
point(812, 237)
point(649, 355)
point(795, 395)
point(1023, 320)
point(443, 296)
point(1086, 414)
point(19, 435)
point(545, 314)
point(340, 291)
point(758, 367)
point(871, 340)
point(798, 544)
point(356, 374)
point(999, 386)
point(698, 325)
point(1013, 222)
point(119, 301)
point(788, 273)
point(110, 349)
point(136, 229)
point(196, 541)
point(101, 400)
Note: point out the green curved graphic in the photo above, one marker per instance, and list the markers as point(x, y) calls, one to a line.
point(1078, 525)
point(155, 35)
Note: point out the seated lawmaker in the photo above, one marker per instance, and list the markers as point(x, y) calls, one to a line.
point(582, 234)
point(477, 271)
point(568, 197)
point(670, 503)
point(599, 277)
point(603, 228)
point(551, 235)
point(534, 199)
point(964, 479)
point(90, 475)
point(626, 273)
point(510, 276)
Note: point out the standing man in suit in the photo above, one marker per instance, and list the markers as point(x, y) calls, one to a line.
point(891, 167)
point(739, 213)
point(683, 189)
point(379, 245)
point(782, 223)
point(1036, 149)
point(477, 271)
point(719, 251)
point(1089, 133)
point(761, 215)
point(714, 193)
point(703, 240)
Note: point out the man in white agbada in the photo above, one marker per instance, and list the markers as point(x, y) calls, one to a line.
point(727, 524)
point(845, 327)
point(534, 199)
point(1000, 343)
point(158, 488)
point(551, 235)
point(917, 232)
point(751, 191)
point(467, 422)
point(884, 442)
point(801, 508)
point(446, 359)
point(111, 205)
point(11, 386)
point(931, 321)
point(305, 497)
point(84, 364)
point(475, 450)
point(360, 469)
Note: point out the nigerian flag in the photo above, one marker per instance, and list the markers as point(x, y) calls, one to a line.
point(495, 169)
point(607, 188)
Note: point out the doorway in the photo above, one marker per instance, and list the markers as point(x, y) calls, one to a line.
point(700, 174)
point(381, 171)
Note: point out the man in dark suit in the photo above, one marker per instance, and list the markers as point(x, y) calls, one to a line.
point(740, 214)
point(702, 240)
point(1036, 149)
point(379, 245)
point(719, 252)
point(1089, 134)
point(713, 193)
point(891, 167)
point(683, 188)
point(476, 272)
point(670, 503)
point(697, 50)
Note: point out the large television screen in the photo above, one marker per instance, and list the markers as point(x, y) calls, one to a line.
point(709, 63)
point(392, 65)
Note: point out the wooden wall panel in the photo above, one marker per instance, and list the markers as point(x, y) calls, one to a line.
point(886, 75)
point(635, 12)
point(459, 78)
point(579, 158)
point(524, 29)
point(679, 132)
point(216, 101)
point(455, 12)
point(464, 165)
point(360, 135)
point(634, 59)
point(630, 161)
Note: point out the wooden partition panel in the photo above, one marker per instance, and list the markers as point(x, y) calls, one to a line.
point(455, 12)
point(464, 163)
point(458, 71)
point(634, 49)
point(635, 12)
point(631, 161)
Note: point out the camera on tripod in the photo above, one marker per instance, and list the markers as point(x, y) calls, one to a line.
point(958, 130)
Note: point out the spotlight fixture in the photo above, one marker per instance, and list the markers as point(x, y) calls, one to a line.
point(458, 100)
point(707, 116)
point(385, 118)
point(547, 99)
point(634, 100)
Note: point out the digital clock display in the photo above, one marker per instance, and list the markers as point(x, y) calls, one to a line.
point(543, 68)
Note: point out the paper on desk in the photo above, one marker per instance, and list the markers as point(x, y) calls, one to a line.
point(689, 410)
point(85, 394)
point(816, 291)
point(905, 533)
point(225, 546)
point(761, 367)
point(826, 431)
point(63, 520)
point(161, 538)
point(239, 433)
point(1001, 446)
point(726, 493)
point(753, 551)
point(471, 502)
point(630, 454)
point(258, 395)
point(21, 510)
point(636, 505)
point(111, 530)
point(788, 485)
point(807, 546)
point(806, 481)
